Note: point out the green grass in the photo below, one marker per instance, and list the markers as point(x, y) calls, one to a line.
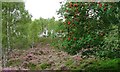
point(42, 66)
point(69, 62)
point(45, 40)
point(97, 65)
point(31, 66)
point(104, 65)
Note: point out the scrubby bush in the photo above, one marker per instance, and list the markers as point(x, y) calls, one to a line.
point(87, 24)
point(110, 48)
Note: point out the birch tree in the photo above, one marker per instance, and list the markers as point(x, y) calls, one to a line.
point(14, 27)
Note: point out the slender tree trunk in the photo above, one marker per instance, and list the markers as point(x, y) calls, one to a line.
point(6, 50)
point(1, 36)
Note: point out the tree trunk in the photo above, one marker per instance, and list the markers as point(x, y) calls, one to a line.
point(6, 50)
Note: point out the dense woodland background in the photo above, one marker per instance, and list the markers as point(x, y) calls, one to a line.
point(87, 32)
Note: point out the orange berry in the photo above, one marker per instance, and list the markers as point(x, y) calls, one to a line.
point(74, 38)
point(105, 9)
point(68, 22)
point(75, 5)
point(68, 38)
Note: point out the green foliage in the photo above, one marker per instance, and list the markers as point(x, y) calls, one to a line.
point(105, 65)
point(31, 66)
point(47, 40)
point(111, 46)
point(83, 31)
point(18, 31)
point(36, 27)
point(95, 65)
point(43, 66)
point(14, 25)
point(69, 62)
